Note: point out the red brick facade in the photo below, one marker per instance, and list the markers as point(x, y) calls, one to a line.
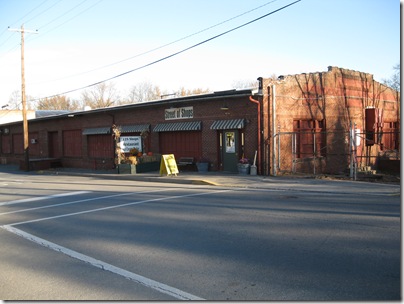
point(313, 113)
point(206, 109)
point(336, 98)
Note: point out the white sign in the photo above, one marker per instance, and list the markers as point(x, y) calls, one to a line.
point(358, 137)
point(179, 113)
point(129, 142)
point(355, 136)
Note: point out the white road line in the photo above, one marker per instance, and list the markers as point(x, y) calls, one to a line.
point(117, 206)
point(33, 199)
point(163, 288)
point(83, 200)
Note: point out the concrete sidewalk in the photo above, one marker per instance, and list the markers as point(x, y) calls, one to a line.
point(222, 179)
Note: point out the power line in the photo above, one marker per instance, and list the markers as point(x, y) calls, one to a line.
point(11, 35)
point(43, 11)
point(60, 16)
point(68, 20)
point(174, 54)
point(53, 20)
point(162, 46)
point(183, 38)
point(36, 7)
point(7, 111)
point(29, 12)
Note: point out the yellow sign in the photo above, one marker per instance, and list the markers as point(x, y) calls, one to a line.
point(168, 165)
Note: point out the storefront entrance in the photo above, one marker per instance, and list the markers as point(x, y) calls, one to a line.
point(231, 141)
point(230, 149)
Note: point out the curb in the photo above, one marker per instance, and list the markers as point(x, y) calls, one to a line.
point(160, 179)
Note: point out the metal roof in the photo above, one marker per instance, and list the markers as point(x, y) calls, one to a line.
point(220, 95)
point(47, 113)
point(96, 131)
point(178, 126)
point(134, 128)
point(228, 124)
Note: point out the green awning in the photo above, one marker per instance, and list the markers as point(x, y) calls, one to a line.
point(228, 124)
point(178, 126)
point(134, 128)
point(97, 131)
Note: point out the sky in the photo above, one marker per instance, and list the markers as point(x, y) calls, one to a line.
point(169, 42)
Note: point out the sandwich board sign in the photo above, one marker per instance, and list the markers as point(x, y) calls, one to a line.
point(168, 165)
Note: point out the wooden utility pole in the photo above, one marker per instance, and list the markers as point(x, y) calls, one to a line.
point(23, 98)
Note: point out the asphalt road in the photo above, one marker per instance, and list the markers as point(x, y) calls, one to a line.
point(83, 238)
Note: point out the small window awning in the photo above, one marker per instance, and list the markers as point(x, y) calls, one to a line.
point(134, 128)
point(97, 131)
point(228, 124)
point(178, 126)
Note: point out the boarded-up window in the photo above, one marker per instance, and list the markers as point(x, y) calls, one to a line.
point(181, 144)
point(5, 144)
point(53, 144)
point(310, 138)
point(390, 136)
point(18, 144)
point(100, 146)
point(72, 143)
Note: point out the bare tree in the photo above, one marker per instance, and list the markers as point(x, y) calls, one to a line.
point(186, 92)
point(244, 84)
point(58, 103)
point(15, 101)
point(250, 83)
point(394, 81)
point(101, 96)
point(144, 91)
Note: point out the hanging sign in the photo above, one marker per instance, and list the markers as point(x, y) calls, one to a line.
point(179, 113)
point(168, 165)
point(127, 143)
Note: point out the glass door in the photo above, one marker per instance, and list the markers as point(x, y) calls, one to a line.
point(230, 150)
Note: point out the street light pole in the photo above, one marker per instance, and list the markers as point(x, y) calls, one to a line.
point(23, 97)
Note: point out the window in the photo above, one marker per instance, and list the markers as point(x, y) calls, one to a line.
point(310, 138)
point(373, 124)
point(391, 136)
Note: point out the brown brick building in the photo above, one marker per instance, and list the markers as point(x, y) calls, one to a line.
point(311, 114)
point(220, 127)
point(297, 123)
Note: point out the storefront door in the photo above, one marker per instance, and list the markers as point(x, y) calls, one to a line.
point(230, 150)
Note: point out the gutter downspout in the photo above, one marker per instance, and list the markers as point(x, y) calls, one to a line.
point(259, 131)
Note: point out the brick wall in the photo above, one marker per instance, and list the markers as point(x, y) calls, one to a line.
point(205, 110)
point(338, 96)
